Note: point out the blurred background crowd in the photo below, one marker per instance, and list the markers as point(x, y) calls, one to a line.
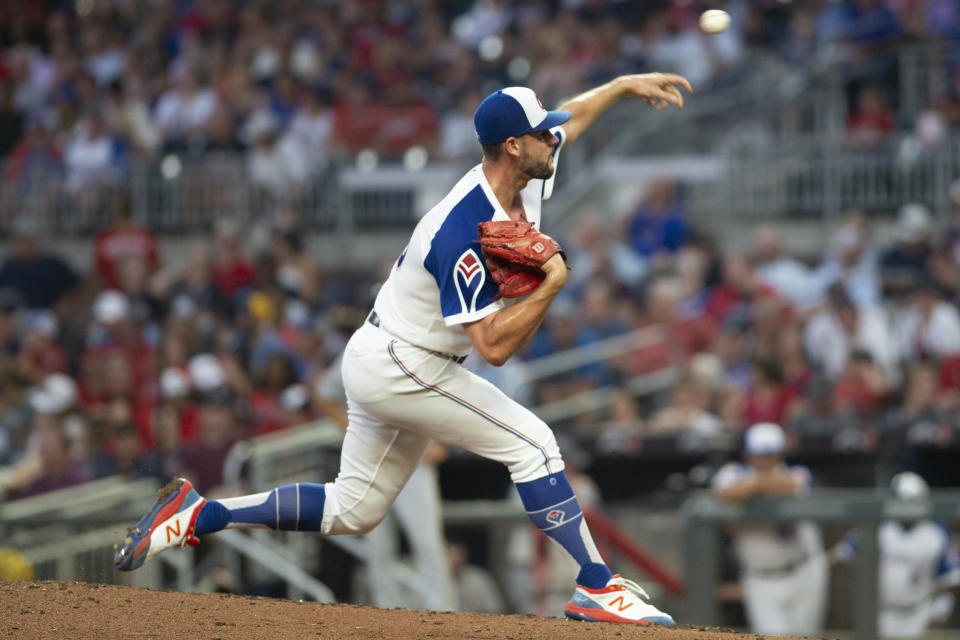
point(139, 364)
point(87, 87)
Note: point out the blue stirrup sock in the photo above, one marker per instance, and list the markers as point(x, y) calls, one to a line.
point(292, 507)
point(554, 509)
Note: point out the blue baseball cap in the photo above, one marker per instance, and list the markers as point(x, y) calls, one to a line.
point(512, 112)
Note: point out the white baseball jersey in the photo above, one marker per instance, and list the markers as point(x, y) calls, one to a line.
point(402, 392)
point(440, 281)
point(914, 561)
point(767, 547)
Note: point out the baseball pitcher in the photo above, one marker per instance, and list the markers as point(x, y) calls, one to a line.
point(460, 284)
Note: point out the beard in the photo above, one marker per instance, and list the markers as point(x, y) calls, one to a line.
point(538, 170)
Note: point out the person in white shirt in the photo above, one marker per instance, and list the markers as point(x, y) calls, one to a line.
point(840, 328)
point(928, 326)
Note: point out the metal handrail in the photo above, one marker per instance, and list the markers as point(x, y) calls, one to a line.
point(605, 349)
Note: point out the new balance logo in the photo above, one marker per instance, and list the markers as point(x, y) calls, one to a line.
point(622, 605)
point(170, 530)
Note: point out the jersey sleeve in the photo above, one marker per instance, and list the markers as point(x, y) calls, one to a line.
point(729, 474)
point(455, 260)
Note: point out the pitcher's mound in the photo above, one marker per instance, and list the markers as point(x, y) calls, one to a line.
point(40, 610)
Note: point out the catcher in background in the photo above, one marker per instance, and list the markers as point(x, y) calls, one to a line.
point(401, 369)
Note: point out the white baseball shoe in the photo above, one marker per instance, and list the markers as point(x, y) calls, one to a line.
point(621, 600)
point(170, 523)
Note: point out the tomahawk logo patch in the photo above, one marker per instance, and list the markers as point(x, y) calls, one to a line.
point(468, 275)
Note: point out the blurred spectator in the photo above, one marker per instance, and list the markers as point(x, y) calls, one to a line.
point(680, 337)
point(183, 112)
point(862, 388)
point(731, 300)
point(311, 128)
point(220, 428)
point(783, 568)
point(839, 328)
point(127, 456)
point(231, 271)
point(687, 412)
point(91, 157)
point(458, 141)
point(789, 277)
point(128, 115)
point(852, 263)
point(266, 403)
point(872, 120)
point(904, 264)
point(659, 223)
point(275, 165)
point(58, 469)
point(295, 272)
point(919, 417)
point(40, 353)
point(117, 246)
point(768, 399)
point(595, 255)
point(43, 279)
point(927, 326)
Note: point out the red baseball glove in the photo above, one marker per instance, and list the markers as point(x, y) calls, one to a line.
point(514, 252)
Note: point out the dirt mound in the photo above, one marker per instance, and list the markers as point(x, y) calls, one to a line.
point(38, 610)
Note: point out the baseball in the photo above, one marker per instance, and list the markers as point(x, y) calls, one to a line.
point(714, 20)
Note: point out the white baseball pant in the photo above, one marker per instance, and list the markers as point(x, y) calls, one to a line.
point(399, 398)
point(793, 603)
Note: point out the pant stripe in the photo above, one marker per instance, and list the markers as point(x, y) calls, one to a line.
point(480, 412)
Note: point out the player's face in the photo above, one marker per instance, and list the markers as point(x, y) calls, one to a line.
point(764, 463)
point(537, 160)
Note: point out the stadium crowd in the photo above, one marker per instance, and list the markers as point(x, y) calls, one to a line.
point(144, 366)
point(87, 86)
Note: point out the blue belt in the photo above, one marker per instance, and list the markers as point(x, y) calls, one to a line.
point(374, 319)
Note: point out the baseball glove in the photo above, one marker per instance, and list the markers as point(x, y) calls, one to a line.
point(514, 253)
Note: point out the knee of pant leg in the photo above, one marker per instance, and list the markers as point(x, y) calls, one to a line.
point(539, 459)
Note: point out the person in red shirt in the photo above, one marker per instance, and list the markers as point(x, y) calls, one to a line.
point(121, 242)
point(231, 270)
point(768, 399)
point(873, 119)
point(732, 298)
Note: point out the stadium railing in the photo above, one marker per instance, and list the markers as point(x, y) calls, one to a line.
point(69, 533)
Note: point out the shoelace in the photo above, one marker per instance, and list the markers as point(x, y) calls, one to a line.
point(630, 585)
